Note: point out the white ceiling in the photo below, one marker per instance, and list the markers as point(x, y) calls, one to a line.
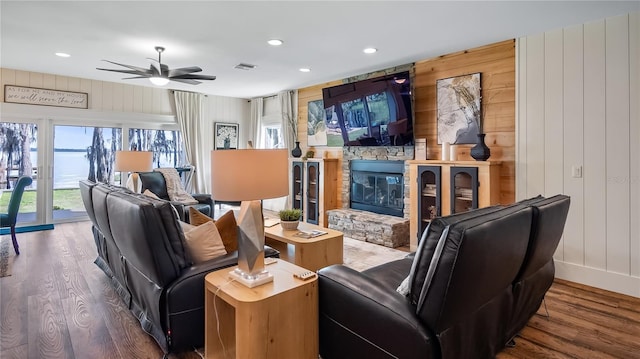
point(326, 36)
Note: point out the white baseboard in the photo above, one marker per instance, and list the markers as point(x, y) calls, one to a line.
point(615, 282)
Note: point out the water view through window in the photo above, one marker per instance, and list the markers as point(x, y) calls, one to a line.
point(79, 153)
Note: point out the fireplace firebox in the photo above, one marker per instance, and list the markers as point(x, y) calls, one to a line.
point(377, 186)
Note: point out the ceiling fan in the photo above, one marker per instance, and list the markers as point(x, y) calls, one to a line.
point(159, 74)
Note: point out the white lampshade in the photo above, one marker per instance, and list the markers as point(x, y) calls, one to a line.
point(247, 175)
point(133, 161)
point(159, 81)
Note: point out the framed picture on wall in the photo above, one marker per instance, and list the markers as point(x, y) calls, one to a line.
point(316, 127)
point(226, 136)
point(459, 109)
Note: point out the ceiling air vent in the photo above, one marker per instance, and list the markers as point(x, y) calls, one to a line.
point(242, 66)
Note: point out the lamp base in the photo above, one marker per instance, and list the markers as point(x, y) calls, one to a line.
point(251, 280)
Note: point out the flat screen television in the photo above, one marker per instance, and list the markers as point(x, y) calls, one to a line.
point(372, 112)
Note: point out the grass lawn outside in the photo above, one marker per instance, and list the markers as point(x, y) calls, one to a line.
point(68, 198)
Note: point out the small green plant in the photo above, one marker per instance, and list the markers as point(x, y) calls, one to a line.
point(293, 214)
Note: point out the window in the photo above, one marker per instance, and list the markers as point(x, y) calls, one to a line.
point(167, 147)
point(272, 136)
point(81, 153)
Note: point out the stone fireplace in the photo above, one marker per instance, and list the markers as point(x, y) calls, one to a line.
point(361, 223)
point(377, 186)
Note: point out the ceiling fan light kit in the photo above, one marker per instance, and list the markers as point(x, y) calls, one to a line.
point(159, 74)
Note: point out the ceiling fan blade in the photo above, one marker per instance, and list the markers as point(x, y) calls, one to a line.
point(156, 70)
point(194, 77)
point(136, 77)
point(132, 72)
point(186, 81)
point(136, 68)
point(184, 70)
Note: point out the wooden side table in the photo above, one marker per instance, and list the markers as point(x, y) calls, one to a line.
point(274, 320)
point(310, 253)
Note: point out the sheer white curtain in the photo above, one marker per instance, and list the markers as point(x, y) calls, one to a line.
point(190, 116)
point(255, 131)
point(288, 108)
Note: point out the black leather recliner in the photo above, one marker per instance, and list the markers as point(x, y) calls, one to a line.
point(141, 248)
point(154, 181)
point(475, 280)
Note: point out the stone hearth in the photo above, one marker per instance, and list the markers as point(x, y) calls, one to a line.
point(386, 230)
point(390, 231)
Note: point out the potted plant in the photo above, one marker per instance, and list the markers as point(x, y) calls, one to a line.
point(289, 218)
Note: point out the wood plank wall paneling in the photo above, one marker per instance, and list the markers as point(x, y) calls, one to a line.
point(617, 139)
point(497, 64)
point(571, 76)
point(634, 133)
point(595, 173)
point(103, 95)
point(583, 81)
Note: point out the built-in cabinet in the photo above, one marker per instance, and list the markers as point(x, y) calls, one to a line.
point(464, 185)
point(314, 184)
point(440, 188)
point(429, 195)
point(297, 185)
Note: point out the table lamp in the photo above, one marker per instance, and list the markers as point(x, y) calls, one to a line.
point(133, 161)
point(250, 175)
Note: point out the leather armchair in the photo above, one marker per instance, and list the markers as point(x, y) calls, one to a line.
point(475, 280)
point(155, 182)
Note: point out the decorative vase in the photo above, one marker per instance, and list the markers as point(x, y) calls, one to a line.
point(480, 152)
point(296, 152)
point(289, 225)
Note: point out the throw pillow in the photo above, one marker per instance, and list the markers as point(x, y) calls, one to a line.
point(197, 218)
point(226, 224)
point(403, 288)
point(204, 243)
point(150, 194)
point(186, 227)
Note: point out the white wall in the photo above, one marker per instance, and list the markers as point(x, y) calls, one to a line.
point(578, 106)
point(114, 104)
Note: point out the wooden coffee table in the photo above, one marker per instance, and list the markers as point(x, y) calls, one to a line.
point(274, 320)
point(311, 253)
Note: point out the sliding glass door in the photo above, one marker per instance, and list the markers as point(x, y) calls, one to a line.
point(18, 157)
point(58, 154)
point(80, 153)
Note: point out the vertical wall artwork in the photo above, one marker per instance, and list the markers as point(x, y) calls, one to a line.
point(459, 109)
point(316, 126)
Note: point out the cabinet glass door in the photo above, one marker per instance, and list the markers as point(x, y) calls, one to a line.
point(429, 190)
point(464, 189)
point(313, 176)
point(297, 185)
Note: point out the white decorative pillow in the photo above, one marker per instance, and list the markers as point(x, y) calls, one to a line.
point(403, 288)
point(204, 243)
point(150, 194)
point(186, 227)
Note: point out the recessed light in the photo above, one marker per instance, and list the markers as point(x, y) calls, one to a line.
point(275, 42)
point(370, 50)
point(304, 69)
point(62, 54)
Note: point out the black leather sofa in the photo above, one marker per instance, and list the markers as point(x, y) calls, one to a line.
point(154, 181)
point(474, 282)
point(140, 246)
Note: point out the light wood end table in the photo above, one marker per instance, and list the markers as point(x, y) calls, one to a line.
point(311, 253)
point(274, 320)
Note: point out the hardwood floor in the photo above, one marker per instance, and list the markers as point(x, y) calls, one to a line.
point(58, 304)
